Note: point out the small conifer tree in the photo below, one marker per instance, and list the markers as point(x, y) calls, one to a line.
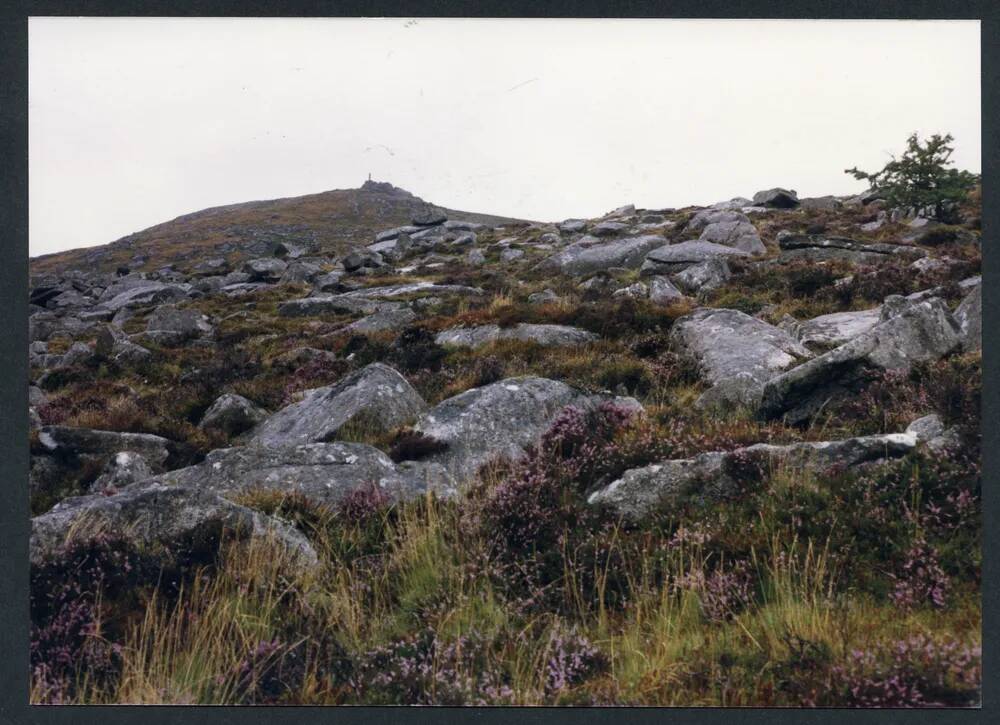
point(920, 179)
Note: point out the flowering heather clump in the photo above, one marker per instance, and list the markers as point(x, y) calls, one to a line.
point(421, 670)
point(914, 672)
point(922, 580)
point(363, 504)
point(571, 659)
point(67, 641)
point(722, 593)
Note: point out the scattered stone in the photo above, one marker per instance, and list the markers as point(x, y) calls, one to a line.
point(391, 319)
point(635, 291)
point(429, 217)
point(70, 443)
point(735, 353)
point(969, 316)
point(705, 277)
point(122, 470)
point(544, 297)
point(114, 344)
point(332, 305)
point(740, 234)
point(776, 198)
point(546, 335)
point(169, 325)
point(511, 255)
point(591, 255)
point(821, 203)
point(232, 414)
point(608, 229)
point(475, 257)
point(573, 226)
point(922, 331)
point(818, 248)
point(716, 476)
point(827, 331)
point(678, 257)
point(265, 269)
point(166, 516)
point(663, 292)
point(499, 420)
point(377, 394)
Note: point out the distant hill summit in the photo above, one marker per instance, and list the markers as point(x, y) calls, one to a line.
point(328, 223)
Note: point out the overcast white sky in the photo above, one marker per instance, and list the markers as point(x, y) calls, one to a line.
point(136, 121)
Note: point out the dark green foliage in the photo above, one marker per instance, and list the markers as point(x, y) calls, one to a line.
point(920, 179)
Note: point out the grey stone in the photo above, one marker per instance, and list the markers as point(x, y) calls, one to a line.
point(737, 203)
point(232, 414)
point(114, 344)
point(922, 331)
point(712, 215)
point(475, 257)
point(587, 257)
point(179, 325)
point(322, 472)
point(927, 428)
point(376, 393)
point(68, 442)
point(663, 292)
point(210, 267)
point(705, 277)
point(817, 248)
point(544, 297)
point(715, 475)
point(123, 469)
point(149, 294)
point(777, 198)
point(265, 269)
point(608, 229)
point(499, 420)
point(415, 289)
point(463, 226)
point(737, 234)
point(299, 356)
point(77, 354)
point(393, 233)
point(511, 255)
point(546, 335)
point(329, 282)
point(821, 203)
point(735, 353)
point(678, 257)
point(300, 272)
point(392, 319)
point(835, 329)
point(969, 316)
point(637, 291)
point(161, 515)
point(332, 305)
point(573, 226)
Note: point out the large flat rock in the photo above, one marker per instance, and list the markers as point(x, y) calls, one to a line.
point(500, 420)
point(547, 335)
point(377, 392)
point(590, 256)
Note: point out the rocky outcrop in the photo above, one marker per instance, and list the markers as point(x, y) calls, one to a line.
point(67, 442)
point(377, 394)
point(327, 304)
point(166, 516)
point(735, 353)
point(969, 316)
point(819, 248)
point(827, 331)
point(499, 420)
point(924, 330)
point(704, 277)
point(322, 472)
point(265, 269)
point(170, 326)
point(546, 335)
point(718, 475)
point(590, 255)
point(232, 414)
point(736, 232)
point(381, 321)
point(678, 257)
point(776, 198)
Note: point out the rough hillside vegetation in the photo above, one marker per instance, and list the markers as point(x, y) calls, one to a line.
point(723, 455)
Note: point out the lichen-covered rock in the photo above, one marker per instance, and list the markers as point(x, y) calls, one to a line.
point(500, 420)
point(547, 335)
point(232, 414)
point(969, 316)
point(590, 255)
point(777, 198)
point(663, 292)
point(377, 392)
point(717, 475)
point(923, 331)
point(122, 470)
point(826, 331)
point(734, 352)
point(265, 269)
point(153, 513)
point(390, 319)
point(65, 441)
point(327, 304)
point(739, 234)
point(169, 325)
point(704, 277)
point(819, 248)
point(322, 472)
point(678, 257)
